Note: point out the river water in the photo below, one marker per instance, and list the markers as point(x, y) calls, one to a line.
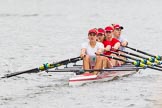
point(33, 32)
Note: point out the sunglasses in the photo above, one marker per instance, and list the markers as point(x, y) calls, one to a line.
point(108, 32)
point(92, 34)
point(118, 29)
point(100, 34)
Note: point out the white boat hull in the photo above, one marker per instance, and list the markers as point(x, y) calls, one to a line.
point(104, 76)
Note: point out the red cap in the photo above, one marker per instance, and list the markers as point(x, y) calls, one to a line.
point(101, 31)
point(117, 26)
point(92, 31)
point(109, 28)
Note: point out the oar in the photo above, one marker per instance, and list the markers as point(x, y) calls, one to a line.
point(144, 61)
point(44, 67)
point(156, 56)
point(151, 59)
point(135, 63)
point(80, 71)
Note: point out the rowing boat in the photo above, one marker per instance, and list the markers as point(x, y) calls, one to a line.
point(103, 76)
point(81, 78)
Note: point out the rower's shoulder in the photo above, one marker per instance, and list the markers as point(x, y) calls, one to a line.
point(122, 38)
point(115, 40)
point(99, 43)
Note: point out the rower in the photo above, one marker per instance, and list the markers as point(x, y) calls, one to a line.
point(117, 34)
point(100, 35)
point(89, 50)
point(101, 38)
point(110, 44)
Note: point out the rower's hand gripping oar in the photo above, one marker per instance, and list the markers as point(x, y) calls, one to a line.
point(155, 56)
point(44, 67)
point(135, 63)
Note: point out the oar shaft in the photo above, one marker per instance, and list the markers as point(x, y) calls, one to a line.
point(123, 55)
point(158, 65)
point(136, 55)
point(126, 61)
point(140, 51)
point(141, 60)
point(44, 67)
point(151, 59)
point(154, 68)
point(22, 72)
point(124, 69)
point(92, 70)
point(136, 63)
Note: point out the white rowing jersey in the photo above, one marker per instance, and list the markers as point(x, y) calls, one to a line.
point(121, 39)
point(91, 51)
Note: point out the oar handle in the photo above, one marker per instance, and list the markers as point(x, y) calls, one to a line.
point(119, 54)
point(140, 51)
point(136, 55)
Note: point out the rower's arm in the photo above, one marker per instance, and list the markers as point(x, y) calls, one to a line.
point(83, 52)
point(124, 43)
point(107, 48)
point(117, 45)
point(100, 51)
